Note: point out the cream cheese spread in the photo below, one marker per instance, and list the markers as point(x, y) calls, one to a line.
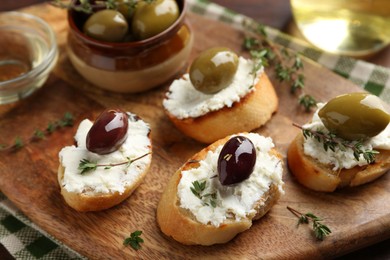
point(104, 180)
point(184, 101)
point(340, 159)
point(234, 201)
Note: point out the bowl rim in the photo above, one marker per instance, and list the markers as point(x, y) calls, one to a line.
point(171, 30)
point(49, 58)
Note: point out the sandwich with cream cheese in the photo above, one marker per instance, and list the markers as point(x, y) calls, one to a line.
point(109, 162)
point(221, 190)
point(346, 144)
point(221, 95)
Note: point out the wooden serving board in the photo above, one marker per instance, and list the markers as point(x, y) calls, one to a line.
point(358, 217)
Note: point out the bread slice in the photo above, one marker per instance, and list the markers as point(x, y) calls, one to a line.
point(91, 199)
point(181, 224)
point(320, 177)
point(251, 112)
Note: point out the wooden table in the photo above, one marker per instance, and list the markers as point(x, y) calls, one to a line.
point(278, 15)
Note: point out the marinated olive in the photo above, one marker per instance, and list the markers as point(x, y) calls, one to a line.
point(108, 132)
point(150, 19)
point(213, 70)
point(354, 116)
point(236, 160)
point(106, 25)
point(124, 7)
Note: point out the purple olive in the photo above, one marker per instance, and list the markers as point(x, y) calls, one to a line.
point(108, 132)
point(236, 160)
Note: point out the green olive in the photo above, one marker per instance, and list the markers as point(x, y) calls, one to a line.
point(124, 7)
point(106, 25)
point(354, 116)
point(150, 19)
point(213, 70)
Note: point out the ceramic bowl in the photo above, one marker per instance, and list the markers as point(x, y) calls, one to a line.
point(130, 67)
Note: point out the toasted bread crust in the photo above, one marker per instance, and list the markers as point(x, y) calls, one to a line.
point(251, 112)
point(181, 225)
point(92, 201)
point(320, 177)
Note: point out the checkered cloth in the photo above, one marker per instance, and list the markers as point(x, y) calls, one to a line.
point(24, 240)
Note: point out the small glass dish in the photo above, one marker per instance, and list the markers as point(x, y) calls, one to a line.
point(28, 53)
point(130, 67)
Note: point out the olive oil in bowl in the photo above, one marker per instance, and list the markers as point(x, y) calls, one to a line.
point(20, 51)
point(28, 52)
point(348, 27)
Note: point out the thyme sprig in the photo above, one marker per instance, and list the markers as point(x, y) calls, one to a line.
point(331, 141)
point(86, 165)
point(38, 134)
point(88, 8)
point(288, 65)
point(320, 230)
point(134, 240)
point(198, 188)
point(307, 101)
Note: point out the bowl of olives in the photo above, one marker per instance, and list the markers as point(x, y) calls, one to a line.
point(128, 46)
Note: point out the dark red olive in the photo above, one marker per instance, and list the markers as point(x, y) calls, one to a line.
point(236, 160)
point(108, 132)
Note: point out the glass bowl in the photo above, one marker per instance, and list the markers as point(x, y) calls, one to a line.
point(28, 53)
point(130, 67)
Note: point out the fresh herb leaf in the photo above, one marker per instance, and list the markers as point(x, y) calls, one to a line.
point(303, 220)
point(331, 141)
point(307, 101)
point(288, 65)
point(320, 230)
point(38, 134)
point(298, 63)
point(50, 128)
point(83, 6)
point(89, 7)
point(18, 143)
point(197, 189)
point(86, 165)
point(67, 120)
point(213, 203)
point(299, 83)
point(134, 240)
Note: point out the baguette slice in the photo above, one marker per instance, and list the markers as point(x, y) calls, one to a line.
point(95, 201)
point(91, 200)
point(181, 224)
point(320, 177)
point(251, 112)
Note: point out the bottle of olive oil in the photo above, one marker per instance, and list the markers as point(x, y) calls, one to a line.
point(347, 27)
